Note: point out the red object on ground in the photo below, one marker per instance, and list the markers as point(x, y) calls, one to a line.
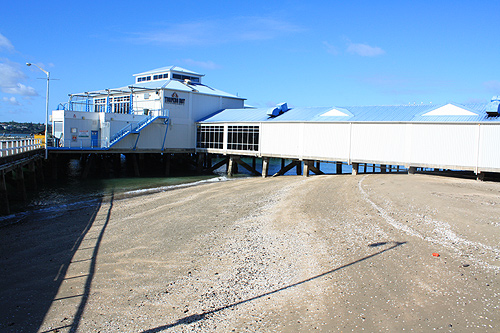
point(435, 254)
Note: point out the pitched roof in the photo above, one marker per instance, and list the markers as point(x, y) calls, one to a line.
point(450, 112)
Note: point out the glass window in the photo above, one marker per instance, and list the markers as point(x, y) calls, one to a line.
point(210, 137)
point(243, 138)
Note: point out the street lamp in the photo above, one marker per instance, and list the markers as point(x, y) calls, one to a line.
point(46, 107)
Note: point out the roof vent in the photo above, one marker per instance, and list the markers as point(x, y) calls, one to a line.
point(492, 107)
point(279, 109)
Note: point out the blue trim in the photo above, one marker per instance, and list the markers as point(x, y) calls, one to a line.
point(136, 140)
point(166, 122)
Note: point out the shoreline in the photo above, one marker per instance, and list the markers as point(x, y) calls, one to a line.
point(276, 254)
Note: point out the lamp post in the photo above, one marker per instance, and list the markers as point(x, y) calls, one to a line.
point(46, 107)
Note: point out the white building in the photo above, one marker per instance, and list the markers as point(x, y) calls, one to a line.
point(448, 136)
point(157, 113)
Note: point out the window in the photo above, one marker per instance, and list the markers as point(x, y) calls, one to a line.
point(100, 105)
point(160, 76)
point(144, 78)
point(185, 77)
point(210, 137)
point(120, 104)
point(243, 138)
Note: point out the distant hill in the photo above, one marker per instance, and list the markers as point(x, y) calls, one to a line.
point(12, 127)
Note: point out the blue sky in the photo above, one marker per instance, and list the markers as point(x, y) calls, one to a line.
point(305, 53)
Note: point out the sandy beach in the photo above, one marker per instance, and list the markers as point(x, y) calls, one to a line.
point(326, 253)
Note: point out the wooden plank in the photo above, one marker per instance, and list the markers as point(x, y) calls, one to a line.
point(284, 170)
point(238, 160)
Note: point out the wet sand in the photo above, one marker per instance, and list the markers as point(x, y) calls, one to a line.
point(326, 253)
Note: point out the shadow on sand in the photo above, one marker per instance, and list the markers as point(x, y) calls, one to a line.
point(35, 256)
point(197, 317)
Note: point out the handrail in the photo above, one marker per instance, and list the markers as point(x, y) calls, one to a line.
point(139, 126)
point(13, 147)
point(117, 135)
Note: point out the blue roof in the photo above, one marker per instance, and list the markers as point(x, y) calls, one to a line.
point(382, 113)
point(172, 85)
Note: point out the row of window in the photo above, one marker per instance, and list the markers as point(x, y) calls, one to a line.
point(210, 137)
point(165, 76)
point(243, 138)
point(238, 137)
point(117, 104)
point(160, 76)
point(186, 77)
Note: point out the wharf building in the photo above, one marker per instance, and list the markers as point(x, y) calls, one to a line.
point(169, 110)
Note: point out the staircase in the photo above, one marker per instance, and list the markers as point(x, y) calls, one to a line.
point(133, 129)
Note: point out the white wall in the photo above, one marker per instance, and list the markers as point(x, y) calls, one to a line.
point(437, 145)
point(489, 151)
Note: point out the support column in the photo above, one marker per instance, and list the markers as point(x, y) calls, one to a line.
point(265, 166)
point(306, 168)
point(199, 163)
point(166, 161)
point(230, 166)
point(54, 166)
point(21, 188)
point(299, 168)
point(117, 164)
point(383, 168)
point(136, 164)
point(355, 169)
point(339, 168)
point(32, 168)
point(39, 171)
point(208, 163)
point(4, 198)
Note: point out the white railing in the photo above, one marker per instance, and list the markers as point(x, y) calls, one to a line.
point(13, 147)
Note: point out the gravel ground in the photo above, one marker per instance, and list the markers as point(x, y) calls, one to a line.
point(324, 253)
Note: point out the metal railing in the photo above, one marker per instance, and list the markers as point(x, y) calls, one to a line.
point(18, 146)
point(132, 128)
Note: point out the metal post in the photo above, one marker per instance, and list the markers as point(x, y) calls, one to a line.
point(47, 118)
point(46, 107)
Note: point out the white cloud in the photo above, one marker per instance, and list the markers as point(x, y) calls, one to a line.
point(201, 64)
point(364, 50)
point(20, 89)
point(11, 100)
point(330, 48)
point(5, 44)
point(214, 32)
point(10, 78)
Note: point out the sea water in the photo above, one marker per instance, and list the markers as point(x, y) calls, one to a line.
point(73, 192)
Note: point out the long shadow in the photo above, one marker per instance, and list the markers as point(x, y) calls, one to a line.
point(90, 276)
point(197, 317)
point(35, 256)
